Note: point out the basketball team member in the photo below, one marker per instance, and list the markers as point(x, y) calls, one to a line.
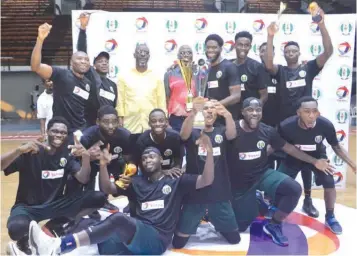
point(105, 88)
point(223, 83)
point(307, 131)
point(108, 132)
point(176, 89)
point(158, 199)
point(296, 81)
point(71, 89)
point(215, 198)
point(43, 170)
point(250, 171)
point(250, 72)
point(166, 140)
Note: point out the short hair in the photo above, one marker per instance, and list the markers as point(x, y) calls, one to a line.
point(292, 43)
point(106, 110)
point(57, 120)
point(264, 44)
point(244, 34)
point(215, 37)
point(305, 99)
point(157, 110)
point(151, 149)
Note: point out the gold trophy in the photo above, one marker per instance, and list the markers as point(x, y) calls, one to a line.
point(186, 71)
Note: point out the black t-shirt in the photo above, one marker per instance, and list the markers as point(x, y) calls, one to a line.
point(271, 106)
point(249, 159)
point(120, 145)
point(220, 78)
point(310, 141)
point(196, 158)
point(70, 97)
point(171, 148)
point(295, 83)
point(159, 203)
point(42, 176)
point(106, 94)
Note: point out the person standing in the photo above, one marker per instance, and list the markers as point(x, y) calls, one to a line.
point(44, 107)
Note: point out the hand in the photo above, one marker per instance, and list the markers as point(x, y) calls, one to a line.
point(221, 110)
point(43, 138)
point(324, 166)
point(95, 151)
point(84, 19)
point(270, 150)
point(77, 149)
point(106, 157)
point(124, 181)
point(322, 14)
point(272, 29)
point(33, 147)
point(198, 103)
point(205, 142)
point(43, 31)
point(173, 172)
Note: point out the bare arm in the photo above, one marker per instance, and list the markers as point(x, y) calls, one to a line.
point(43, 126)
point(263, 95)
point(207, 176)
point(8, 158)
point(231, 131)
point(341, 152)
point(187, 126)
point(269, 56)
point(328, 48)
point(83, 175)
point(104, 181)
point(234, 96)
point(298, 154)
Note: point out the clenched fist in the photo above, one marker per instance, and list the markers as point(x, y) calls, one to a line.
point(43, 31)
point(84, 19)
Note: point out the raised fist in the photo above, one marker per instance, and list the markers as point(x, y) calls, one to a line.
point(84, 19)
point(43, 31)
point(272, 29)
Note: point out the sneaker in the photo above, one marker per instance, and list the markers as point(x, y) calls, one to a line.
point(14, 249)
point(42, 243)
point(276, 233)
point(108, 207)
point(95, 215)
point(333, 225)
point(309, 208)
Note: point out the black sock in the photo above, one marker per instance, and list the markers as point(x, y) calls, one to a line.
point(307, 193)
point(274, 221)
point(329, 213)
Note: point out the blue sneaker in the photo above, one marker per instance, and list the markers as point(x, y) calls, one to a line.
point(276, 234)
point(333, 225)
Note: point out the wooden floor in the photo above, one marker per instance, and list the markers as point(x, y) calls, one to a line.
point(9, 188)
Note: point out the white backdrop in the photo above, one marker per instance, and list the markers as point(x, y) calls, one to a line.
point(118, 33)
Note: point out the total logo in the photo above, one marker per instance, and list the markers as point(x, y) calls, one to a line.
point(337, 177)
point(346, 28)
point(316, 49)
point(141, 24)
point(111, 45)
point(342, 93)
point(344, 72)
point(344, 49)
point(258, 26)
point(171, 25)
point(228, 46)
point(170, 45)
point(314, 28)
point(341, 135)
point(112, 25)
point(287, 28)
point(342, 116)
point(230, 27)
point(316, 93)
point(201, 24)
point(113, 71)
point(200, 48)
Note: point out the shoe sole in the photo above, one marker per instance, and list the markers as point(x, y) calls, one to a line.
point(32, 242)
point(273, 238)
point(337, 233)
point(10, 249)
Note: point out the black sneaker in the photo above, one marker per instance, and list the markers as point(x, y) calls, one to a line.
point(23, 245)
point(95, 215)
point(309, 208)
point(59, 226)
point(108, 207)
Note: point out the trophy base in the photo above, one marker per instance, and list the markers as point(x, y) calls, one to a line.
point(199, 122)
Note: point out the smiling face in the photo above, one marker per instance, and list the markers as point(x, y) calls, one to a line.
point(158, 122)
point(80, 62)
point(242, 46)
point(142, 56)
point(151, 162)
point(253, 114)
point(185, 54)
point(57, 134)
point(209, 113)
point(102, 65)
point(213, 50)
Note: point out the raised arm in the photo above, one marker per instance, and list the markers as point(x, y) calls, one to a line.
point(326, 41)
point(269, 56)
point(43, 70)
point(231, 131)
point(187, 125)
point(82, 37)
point(207, 176)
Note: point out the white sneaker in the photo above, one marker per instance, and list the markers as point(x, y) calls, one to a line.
point(13, 250)
point(41, 243)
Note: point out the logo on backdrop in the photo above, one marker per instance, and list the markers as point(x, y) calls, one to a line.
point(258, 26)
point(342, 93)
point(200, 48)
point(316, 93)
point(111, 45)
point(316, 49)
point(255, 48)
point(201, 24)
point(113, 71)
point(282, 47)
point(230, 27)
point(287, 28)
point(170, 45)
point(112, 25)
point(228, 46)
point(314, 28)
point(337, 160)
point(337, 177)
point(141, 24)
point(346, 28)
point(341, 135)
point(344, 72)
point(171, 25)
point(342, 116)
point(344, 49)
